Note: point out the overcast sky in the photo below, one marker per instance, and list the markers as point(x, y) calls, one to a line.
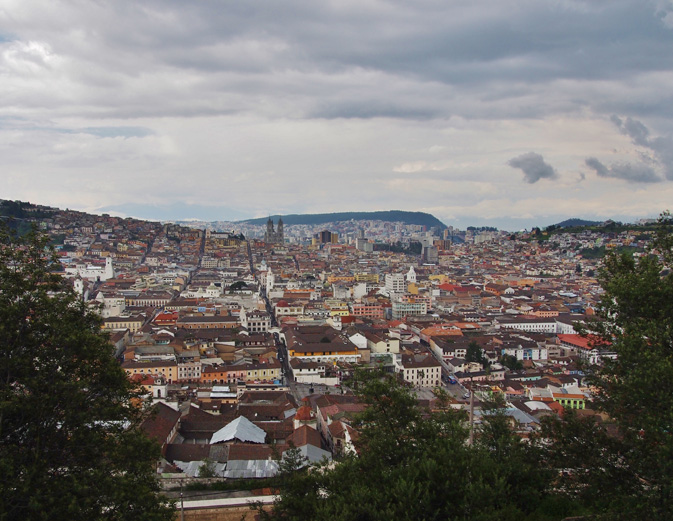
point(505, 113)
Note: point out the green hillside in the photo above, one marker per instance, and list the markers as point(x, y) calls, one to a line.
point(420, 218)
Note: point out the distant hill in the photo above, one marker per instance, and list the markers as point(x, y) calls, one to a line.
point(570, 223)
point(420, 218)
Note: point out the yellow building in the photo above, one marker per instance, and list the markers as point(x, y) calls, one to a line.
point(267, 372)
point(133, 324)
point(340, 278)
point(167, 368)
point(367, 277)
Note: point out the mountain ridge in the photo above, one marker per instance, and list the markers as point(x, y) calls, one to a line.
point(419, 218)
point(570, 223)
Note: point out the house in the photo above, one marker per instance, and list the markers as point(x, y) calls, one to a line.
point(419, 370)
point(591, 348)
point(162, 425)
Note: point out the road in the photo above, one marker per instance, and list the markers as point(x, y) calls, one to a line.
point(457, 390)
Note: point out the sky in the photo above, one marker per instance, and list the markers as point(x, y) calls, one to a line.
point(501, 113)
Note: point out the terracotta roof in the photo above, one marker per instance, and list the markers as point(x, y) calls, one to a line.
point(305, 435)
point(161, 423)
point(242, 451)
point(187, 452)
point(588, 343)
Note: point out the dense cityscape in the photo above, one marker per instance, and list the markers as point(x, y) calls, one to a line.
point(344, 261)
point(246, 345)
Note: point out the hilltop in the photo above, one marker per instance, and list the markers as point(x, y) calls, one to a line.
point(419, 218)
point(571, 223)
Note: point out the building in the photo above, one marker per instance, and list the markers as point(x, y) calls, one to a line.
point(326, 237)
point(276, 236)
point(167, 368)
point(395, 283)
point(419, 370)
point(402, 309)
point(91, 272)
point(320, 344)
point(255, 321)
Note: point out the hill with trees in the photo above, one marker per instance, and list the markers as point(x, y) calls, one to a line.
point(570, 223)
point(419, 218)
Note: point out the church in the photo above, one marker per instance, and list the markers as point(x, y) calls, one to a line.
point(272, 236)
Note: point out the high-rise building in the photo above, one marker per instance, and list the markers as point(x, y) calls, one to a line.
point(395, 283)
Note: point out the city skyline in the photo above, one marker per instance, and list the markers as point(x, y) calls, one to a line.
point(512, 115)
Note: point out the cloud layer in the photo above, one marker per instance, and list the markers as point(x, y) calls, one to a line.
point(249, 109)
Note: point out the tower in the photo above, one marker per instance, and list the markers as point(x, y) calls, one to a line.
point(109, 270)
point(280, 234)
point(272, 236)
point(269, 235)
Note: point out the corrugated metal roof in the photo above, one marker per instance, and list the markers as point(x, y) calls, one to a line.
point(251, 469)
point(240, 429)
point(313, 454)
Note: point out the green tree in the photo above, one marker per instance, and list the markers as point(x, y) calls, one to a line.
point(208, 469)
point(630, 469)
point(474, 353)
point(238, 286)
point(413, 463)
point(511, 362)
point(70, 443)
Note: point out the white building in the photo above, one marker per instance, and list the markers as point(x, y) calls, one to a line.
point(91, 272)
point(419, 370)
point(112, 305)
point(395, 283)
point(406, 309)
point(255, 321)
point(526, 353)
point(411, 275)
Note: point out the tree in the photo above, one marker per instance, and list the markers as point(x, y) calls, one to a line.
point(474, 353)
point(414, 463)
point(511, 362)
point(632, 470)
point(208, 469)
point(238, 286)
point(70, 443)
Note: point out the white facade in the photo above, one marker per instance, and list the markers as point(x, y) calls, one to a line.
point(427, 375)
point(395, 283)
point(112, 305)
point(526, 353)
point(90, 272)
point(189, 371)
point(405, 309)
point(212, 291)
point(255, 321)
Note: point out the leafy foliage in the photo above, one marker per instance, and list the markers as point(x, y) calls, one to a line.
point(70, 446)
point(629, 467)
point(413, 463)
point(475, 353)
point(511, 362)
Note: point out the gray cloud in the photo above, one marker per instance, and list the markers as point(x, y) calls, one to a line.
point(660, 148)
point(304, 92)
point(533, 167)
point(502, 60)
point(633, 173)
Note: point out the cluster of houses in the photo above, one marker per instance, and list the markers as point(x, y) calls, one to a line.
point(222, 331)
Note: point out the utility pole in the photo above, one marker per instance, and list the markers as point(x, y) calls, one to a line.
point(471, 440)
point(182, 504)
